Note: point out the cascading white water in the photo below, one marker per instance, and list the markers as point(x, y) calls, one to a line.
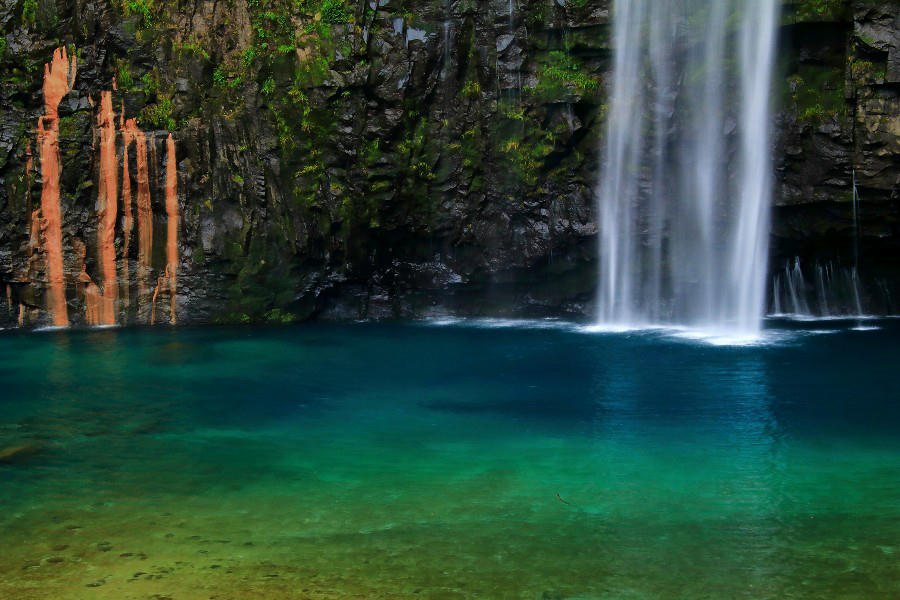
point(684, 196)
point(835, 292)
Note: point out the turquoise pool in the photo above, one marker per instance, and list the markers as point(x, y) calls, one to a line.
point(455, 460)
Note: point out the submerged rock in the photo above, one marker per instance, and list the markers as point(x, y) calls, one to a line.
point(19, 453)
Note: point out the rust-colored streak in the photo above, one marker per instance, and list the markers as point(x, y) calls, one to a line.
point(93, 299)
point(34, 215)
point(107, 203)
point(29, 163)
point(50, 222)
point(144, 208)
point(21, 315)
point(8, 297)
point(59, 77)
point(34, 238)
point(172, 220)
point(159, 282)
point(154, 164)
point(128, 221)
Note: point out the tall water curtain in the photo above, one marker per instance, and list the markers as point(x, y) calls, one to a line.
point(684, 192)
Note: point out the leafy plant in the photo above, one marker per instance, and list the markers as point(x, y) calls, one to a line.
point(334, 12)
point(219, 77)
point(159, 115)
point(563, 72)
point(29, 12)
point(123, 75)
point(151, 84)
point(140, 8)
point(471, 89)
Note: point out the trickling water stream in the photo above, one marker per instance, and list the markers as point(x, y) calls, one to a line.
point(833, 292)
point(684, 196)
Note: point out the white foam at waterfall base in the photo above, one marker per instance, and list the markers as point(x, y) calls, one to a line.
point(770, 336)
point(682, 242)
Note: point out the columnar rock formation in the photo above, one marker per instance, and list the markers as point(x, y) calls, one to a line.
point(46, 251)
point(144, 210)
point(169, 278)
point(59, 77)
point(107, 190)
point(412, 159)
point(127, 219)
point(172, 220)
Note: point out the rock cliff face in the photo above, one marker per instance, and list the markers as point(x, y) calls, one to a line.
point(840, 123)
point(393, 158)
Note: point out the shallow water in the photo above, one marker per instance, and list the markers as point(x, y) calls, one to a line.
point(452, 461)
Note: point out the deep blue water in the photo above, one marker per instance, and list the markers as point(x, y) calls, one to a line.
point(480, 460)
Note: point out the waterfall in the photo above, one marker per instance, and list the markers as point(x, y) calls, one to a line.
point(855, 222)
point(445, 60)
point(834, 293)
point(684, 195)
point(796, 288)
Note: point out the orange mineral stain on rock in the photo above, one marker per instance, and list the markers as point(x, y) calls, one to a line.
point(128, 221)
point(34, 216)
point(92, 297)
point(172, 220)
point(159, 282)
point(29, 163)
point(34, 238)
point(107, 204)
point(21, 315)
point(92, 300)
point(8, 297)
point(59, 77)
point(153, 160)
point(144, 209)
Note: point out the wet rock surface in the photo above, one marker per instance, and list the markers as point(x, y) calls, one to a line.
point(404, 159)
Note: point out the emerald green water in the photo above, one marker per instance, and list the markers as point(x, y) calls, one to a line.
point(420, 461)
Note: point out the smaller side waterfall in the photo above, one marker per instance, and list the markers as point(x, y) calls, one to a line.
point(825, 290)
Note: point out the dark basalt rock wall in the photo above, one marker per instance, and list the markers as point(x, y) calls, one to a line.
point(839, 123)
point(404, 158)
